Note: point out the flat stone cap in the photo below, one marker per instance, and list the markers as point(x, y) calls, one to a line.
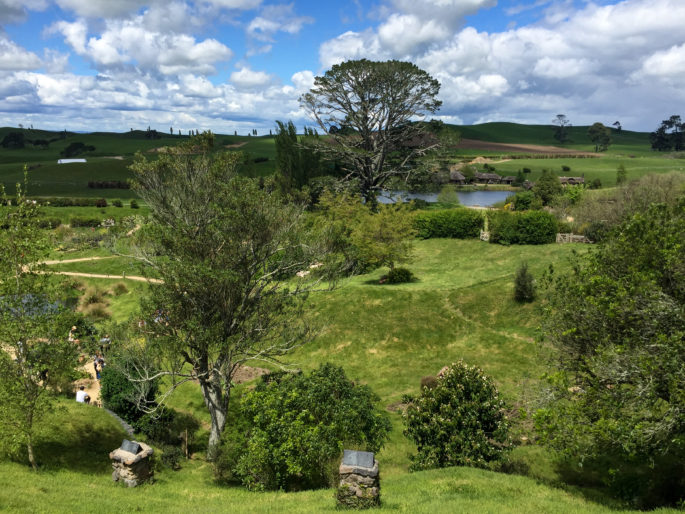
point(129, 458)
point(359, 463)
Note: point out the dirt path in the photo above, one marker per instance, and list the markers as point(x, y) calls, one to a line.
point(80, 259)
point(92, 384)
point(116, 277)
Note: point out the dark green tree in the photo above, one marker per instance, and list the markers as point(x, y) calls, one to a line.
point(524, 284)
point(600, 136)
point(669, 135)
point(616, 398)
point(376, 102)
point(547, 187)
point(296, 158)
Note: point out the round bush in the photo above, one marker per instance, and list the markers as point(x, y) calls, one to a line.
point(399, 276)
point(459, 422)
point(298, 425)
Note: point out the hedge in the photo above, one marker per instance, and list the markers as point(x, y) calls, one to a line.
point(455, 223)
point(81, 221)
point(529, 227)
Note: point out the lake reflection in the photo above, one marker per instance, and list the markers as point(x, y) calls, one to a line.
point(466, 198)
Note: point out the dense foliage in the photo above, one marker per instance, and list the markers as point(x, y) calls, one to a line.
point(298, 425)
point(617, 399)
point(459, 422)
point(547, 187)
point(530, 227)
point(456, 223)
point(120, 395)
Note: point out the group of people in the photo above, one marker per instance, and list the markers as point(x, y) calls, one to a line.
point(98, 362)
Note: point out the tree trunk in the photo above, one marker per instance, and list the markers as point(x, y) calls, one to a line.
point(217, 403)
point(29, 448)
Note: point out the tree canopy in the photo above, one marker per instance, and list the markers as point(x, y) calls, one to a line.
point(369, 111)
point(669, 135)
point(600, 136)
point(221, 246)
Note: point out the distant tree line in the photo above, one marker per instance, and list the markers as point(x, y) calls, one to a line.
point(669, 135)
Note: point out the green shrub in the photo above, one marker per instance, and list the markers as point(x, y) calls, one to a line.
point(526, 200)
point(524, 285)
point(448, 195)
point(50, 222)
point(81, 221)
point(298, 425)
point(455, 223)
point(117, 203)
point(100, 202)
point(565, 168)
point(400, 276)
point(596, 184)
point(459, 422)
point(134, 204)
point(118, 394)
point(530, 227)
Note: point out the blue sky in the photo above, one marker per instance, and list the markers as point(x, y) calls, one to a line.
point(229, 65)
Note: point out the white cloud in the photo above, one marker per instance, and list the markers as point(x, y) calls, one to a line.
point(665, 64)
point(102, 8)
point(12, 11)
point(130, 42)
point(276, 18)
point(235, 4)
point(246, 78)
point(14, 57)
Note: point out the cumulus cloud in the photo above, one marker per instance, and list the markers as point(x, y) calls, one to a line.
point(572, 59)
point(246, 78)
point(276, 18)
point(13, 11)
point(130, 42)
point(13, 57)
point(102, 8)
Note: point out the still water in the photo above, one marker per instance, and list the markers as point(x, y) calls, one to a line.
point(467, 198)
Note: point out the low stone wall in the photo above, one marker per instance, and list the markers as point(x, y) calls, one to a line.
point(359, 487)
point(132, 468)
point(572, 238)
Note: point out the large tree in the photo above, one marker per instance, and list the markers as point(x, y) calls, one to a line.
point(563, 124)
point(369, 109)
point(600, 136)
point(221, 246)
point(296, 159)
point(35, 356)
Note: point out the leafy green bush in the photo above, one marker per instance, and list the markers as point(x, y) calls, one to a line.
point(100, 202)
point(400, 276)
point(50, 222)
point(530, 227)
point(524, 285)
point(456, 223)
point(134, 204)
point(298, 425)
point(459, 422)
point(526, 200)
point(117, 203)
point(82, 221)
point(118, 394)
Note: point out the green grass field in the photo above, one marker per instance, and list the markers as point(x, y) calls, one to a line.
point(385, 336)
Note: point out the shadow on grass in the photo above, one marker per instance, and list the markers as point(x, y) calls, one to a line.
point(86, 450)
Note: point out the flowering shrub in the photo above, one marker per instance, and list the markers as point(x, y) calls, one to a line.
point(459, 422)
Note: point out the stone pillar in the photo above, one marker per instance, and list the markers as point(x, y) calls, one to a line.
point(132, 468)
point(359, 486)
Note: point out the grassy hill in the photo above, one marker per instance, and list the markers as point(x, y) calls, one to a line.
point(385, 336)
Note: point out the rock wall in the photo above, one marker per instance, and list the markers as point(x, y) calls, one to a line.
point(359, 488)
point(131, 468)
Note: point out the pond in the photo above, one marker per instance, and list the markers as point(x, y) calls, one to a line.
point(466, 198)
